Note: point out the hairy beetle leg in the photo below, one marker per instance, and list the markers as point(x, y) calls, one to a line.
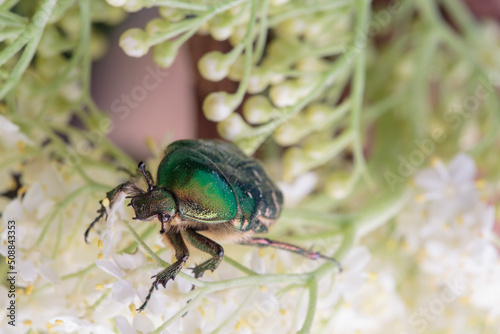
point(264, 242)
point(169, 273)
point(208, 246)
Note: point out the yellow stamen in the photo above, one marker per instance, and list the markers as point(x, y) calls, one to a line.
point(29, 289)
point(99, 286)
point(21, 146)
point(262, 252)
point(420, 198)
point(263, 288)
point(49, 325)
point(100, 244)
point(435, 161)
point(480, 184)
point(100, 256)
point(372, 275)
point(131, 307)
point(105, 202)
point(283, 311)
point(27, 322)
point(202, 311)
point(21, 191)
point(59, 322)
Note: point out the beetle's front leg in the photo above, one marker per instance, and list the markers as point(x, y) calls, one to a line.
point(109, 200)
point(208, 246)
point(181, 254)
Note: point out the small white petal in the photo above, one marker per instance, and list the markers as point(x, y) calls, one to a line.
point(27, 270)
point(49, 274)
point(33, 197)
point(429, 179)
point(110, 267)
point(462, 168)
point(123, 325)
point(143, 324)
point(129, 261)
point(123, 292)
point(13, 211)
point(357, 259)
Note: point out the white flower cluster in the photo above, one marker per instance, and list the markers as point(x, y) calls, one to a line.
point(448, 233)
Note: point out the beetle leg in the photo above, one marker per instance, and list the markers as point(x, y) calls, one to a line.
point(111, 197)
point(208, 246)
point(264, 242)
point(147, 175)
point(181, 254)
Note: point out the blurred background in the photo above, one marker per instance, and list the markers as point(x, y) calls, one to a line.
point(173, 108)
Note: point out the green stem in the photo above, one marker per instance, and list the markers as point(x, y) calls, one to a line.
point(358, 88)
point(311, 309)
point(179, 314)
point(33, 33)
point(242, 87)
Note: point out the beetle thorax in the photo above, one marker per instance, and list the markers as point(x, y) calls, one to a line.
point(156, 202)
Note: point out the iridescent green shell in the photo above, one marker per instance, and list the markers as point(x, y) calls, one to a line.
point(214, 182)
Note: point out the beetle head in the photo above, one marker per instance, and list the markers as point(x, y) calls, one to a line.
point(156, 202)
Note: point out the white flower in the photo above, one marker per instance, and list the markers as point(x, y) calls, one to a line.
point(10, 134)
point(451, 189)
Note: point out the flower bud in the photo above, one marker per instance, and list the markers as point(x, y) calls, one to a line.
point(294, 163)
point(219, 105)
point(338, 185)
point(317, 113)
point(284, 94)
point(317, 145)
point(257, 109)
point(134, 42)
point(291, 132)
point(172, 14)
point(257, 82)
point(132, 6)
point(233, 127)
point(221, 27)
point(157, 25)
point(116, 3)
point(237, 69)
point(214, 66)
point(164, 54)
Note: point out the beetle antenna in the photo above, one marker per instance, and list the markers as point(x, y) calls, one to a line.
point(147, 175)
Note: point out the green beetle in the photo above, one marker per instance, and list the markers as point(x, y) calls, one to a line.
point(207, 186)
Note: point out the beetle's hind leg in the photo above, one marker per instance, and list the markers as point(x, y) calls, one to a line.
point(169, 273)
point(264, 242)
point(208, 246)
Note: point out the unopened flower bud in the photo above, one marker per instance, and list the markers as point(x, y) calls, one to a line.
point(134, 42)
point(294, 163)
point(284, 94)
point(219, 105)
point(233, 127)
point(338, 185)
point(157, 25)
point(214, 66)
point(164, 54)
point(116, 3)
point(257, 109)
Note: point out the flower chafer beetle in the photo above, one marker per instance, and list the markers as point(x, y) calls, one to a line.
point(206, 186)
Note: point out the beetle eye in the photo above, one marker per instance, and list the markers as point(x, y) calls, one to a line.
point(166, 218)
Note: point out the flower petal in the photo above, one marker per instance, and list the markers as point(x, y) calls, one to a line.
point(123, 325)
point(462, 168)
point(110, 267)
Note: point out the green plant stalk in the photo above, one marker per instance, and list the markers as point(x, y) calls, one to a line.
point(311, 309)
point(358, 87)
point(33, 32)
